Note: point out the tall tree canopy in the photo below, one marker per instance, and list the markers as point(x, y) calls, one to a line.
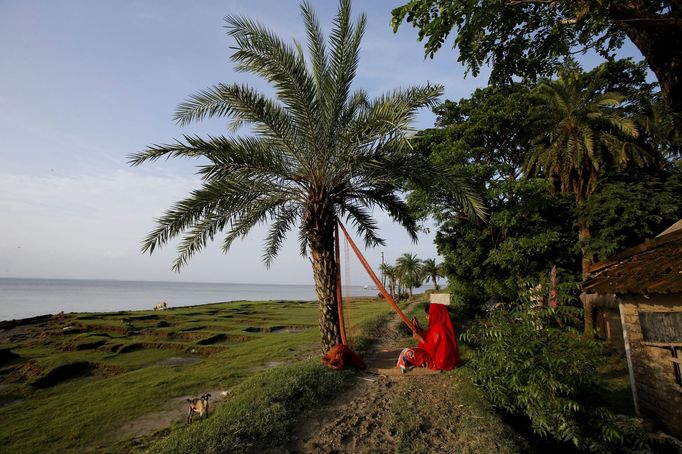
point(581, 132)
point(318, 151)
point(531, 38)
point(487, 137)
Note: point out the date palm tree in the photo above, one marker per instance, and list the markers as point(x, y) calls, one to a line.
point(581, 132)
point(432, 271)
point(318, 150)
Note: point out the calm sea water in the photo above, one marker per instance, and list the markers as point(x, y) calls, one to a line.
point(22, 298)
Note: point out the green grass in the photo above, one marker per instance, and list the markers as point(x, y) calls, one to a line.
point(87, 412)
point(262, 413)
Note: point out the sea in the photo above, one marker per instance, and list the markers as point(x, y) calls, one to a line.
point(24, 298)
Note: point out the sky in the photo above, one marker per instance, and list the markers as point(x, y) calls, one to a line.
point(84, 84)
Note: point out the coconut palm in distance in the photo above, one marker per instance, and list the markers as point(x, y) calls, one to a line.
point(410, 270)
point(391, 274)
point(432, 271)
point(318, 150)
point(582, 132)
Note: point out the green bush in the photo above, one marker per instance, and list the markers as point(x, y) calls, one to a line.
point(530, 362)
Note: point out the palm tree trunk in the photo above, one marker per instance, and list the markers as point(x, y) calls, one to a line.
point(320, 226)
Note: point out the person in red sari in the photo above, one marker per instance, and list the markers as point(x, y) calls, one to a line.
point(438, 351)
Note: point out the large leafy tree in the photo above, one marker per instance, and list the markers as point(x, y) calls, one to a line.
point(486, 137)
point(631, 206)
point(582, 132)
point(319, 151)
point(531, 38)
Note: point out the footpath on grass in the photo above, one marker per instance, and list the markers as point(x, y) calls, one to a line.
point(403, 413)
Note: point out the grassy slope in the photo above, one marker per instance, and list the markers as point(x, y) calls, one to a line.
point(87, 412)
point(447, 410)
point(264, 406)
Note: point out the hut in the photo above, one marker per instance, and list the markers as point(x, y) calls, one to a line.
point(645, 282)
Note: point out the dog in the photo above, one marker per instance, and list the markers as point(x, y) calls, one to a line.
point(199, 405)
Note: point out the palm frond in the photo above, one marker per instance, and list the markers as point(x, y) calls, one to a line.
point(212, 198)
point(261, 52)
point(209, 102)
point(283, 220)
point(362, 222)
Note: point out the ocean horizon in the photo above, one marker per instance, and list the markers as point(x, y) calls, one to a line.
point(28, 297)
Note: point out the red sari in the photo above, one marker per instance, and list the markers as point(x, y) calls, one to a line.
point(439, 350)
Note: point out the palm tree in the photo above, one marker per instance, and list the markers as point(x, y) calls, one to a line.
point(410, 269)
point(318, 151)
point(383, 267)
point(391, 274)
point(581, 132)
point(661, 138)
point(432, 271)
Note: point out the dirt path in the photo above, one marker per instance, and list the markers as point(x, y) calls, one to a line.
point(356, 419)
point(403, 413)
point(360, 419)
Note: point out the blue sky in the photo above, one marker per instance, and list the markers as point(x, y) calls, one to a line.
point(84, 84)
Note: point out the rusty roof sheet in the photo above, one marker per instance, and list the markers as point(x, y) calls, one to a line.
point(654, 266)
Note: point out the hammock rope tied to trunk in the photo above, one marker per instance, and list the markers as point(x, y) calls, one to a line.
point(340, 356)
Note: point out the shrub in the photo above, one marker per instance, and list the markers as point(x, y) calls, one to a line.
point(530, 362)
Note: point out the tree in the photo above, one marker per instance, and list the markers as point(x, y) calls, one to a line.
point(631, 206)
point(319, 151)
point(391, 274)
point(581, 132)
point(531, 38)
point(410, 269)
point(486, 139)
point(432, 271)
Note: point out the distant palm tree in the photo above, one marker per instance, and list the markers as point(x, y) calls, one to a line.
point(382, 268)
point(410, 269)
point(391, 274)
point(432, 271)
point(581, 132)
point(318, 151)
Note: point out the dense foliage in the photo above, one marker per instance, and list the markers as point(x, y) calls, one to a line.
point(488, 138)
point(630, 207)
point(528, 365)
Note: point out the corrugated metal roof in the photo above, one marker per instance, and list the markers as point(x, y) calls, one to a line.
point(654, 266)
